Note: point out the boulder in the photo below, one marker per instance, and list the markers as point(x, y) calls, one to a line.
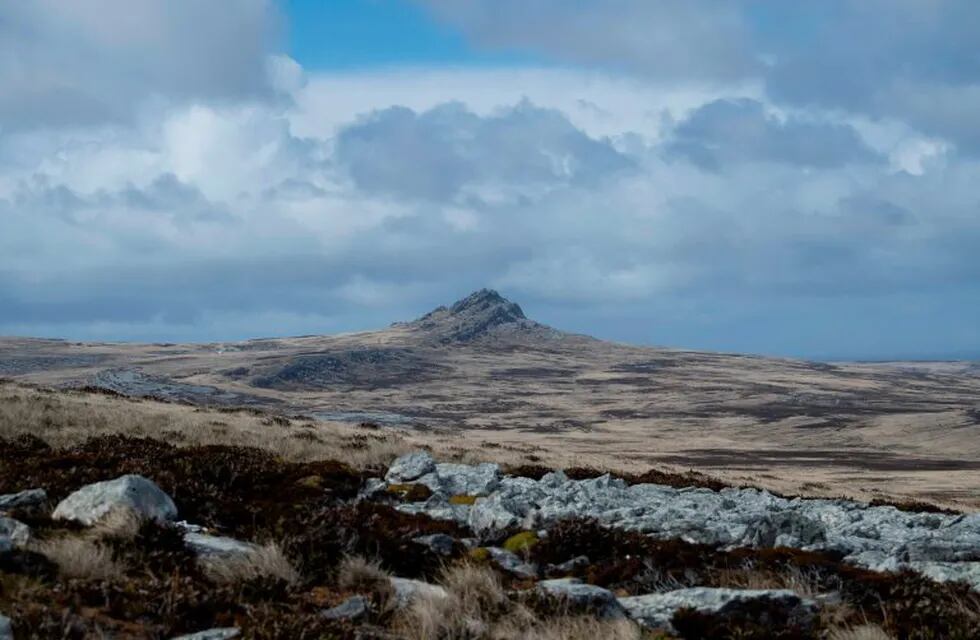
point(15, 531)
point(656, 610)
point(211, 546)
point(92, 502)
point(29, 498)
point(569, 565)
point(350, 609)
point(407, 590)
point(410, 467)
point(584, 596)
point(512, 562)
point(6, 628)
point(450, 479)
point(439, 543)
point(224, 633)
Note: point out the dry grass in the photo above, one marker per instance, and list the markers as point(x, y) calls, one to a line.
point(66, 418)
point(364, 576)
point(267, 561)
point(118, 523)
point(792, 578)
point(864, 632)
point(80, 557)
point(477, 607)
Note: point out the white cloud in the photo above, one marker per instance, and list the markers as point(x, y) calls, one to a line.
point(290, 201)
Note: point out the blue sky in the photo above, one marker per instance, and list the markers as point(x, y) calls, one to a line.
point(781, 178)
point(358, 34)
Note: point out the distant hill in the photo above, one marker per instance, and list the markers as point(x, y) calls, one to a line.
point(482, 369)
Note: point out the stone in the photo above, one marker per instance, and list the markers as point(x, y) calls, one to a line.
point(136, 493)
point(656, 610)
point(946, 547)
point(407, 590)
point(601, 601)
point(350, 609)
point(6, 628)
point(439, 543)
point(224, 633)
point(511, 562)
point(29, 498)
point(450, 479)
point(15, 531)
point(372, 488)
point(211, 546)
point(410, 467)
point(570, 565)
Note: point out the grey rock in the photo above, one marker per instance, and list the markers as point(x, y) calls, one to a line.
point(6, 628)
point(350, 609)
point(29, 498)
point(449, 479)
point(410, 467)
point(407, 590)
point(90, 503)
point(15, 531)
point(512, 562)
point(6, 544)
point(570, 565)
point(601, 601)
point(656, 610)
point(211, 546)
point(880, 537)
point(438, 542)
point(372, 487)
point(224, 633)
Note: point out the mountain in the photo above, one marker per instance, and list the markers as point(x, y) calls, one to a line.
point(480, 315)
point(482, 372)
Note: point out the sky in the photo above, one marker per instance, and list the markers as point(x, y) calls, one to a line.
point(784, 178)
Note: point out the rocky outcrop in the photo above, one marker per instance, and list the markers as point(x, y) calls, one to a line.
point(407, 590)
point(410, 467)
point(579, 595)
point(6, 628)
point(16, 533)
point(656, 610)
point(29, 498)
point(438, 543)
point(944, 547)
point(206, 545)
point(511, 562)
point(91, 503)
point(352, 608)
point(481, 314)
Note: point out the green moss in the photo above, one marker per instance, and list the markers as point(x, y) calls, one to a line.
point(521, 542)
point(410, 492)
point(468, 500)
point(480, 554)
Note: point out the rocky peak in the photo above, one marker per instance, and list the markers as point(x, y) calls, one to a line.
point(487, 302)
point(474, 316)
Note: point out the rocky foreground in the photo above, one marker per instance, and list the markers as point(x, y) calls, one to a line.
point(129, 538)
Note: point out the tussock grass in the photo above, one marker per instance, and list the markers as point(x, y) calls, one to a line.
point(359, 574)
point(267, 561)
point(80, 557)
point(863, 632)
point(67, 418)
point(478, 607)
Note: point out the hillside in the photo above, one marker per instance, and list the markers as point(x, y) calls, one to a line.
point(483, 371)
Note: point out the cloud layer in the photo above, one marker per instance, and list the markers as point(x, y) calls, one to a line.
point(696, 173)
